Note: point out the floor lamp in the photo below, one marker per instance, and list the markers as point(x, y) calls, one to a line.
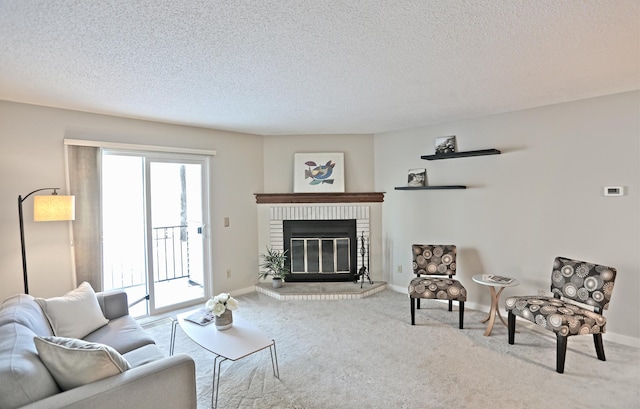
point(45, 209)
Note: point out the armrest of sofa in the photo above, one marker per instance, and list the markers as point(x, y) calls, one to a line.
point(166, 383)
point(114, 304)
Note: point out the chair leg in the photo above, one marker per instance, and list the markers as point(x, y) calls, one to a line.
point(413, 310)
point(461, 307)
point(450, 305)
point(561, 353)
point(417, 303)
point(511, 319)
point(597, 339)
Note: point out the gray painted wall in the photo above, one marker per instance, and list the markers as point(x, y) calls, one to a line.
point(541, 198)
point(31, 142)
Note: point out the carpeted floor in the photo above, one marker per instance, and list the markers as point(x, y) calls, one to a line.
point(365, 354)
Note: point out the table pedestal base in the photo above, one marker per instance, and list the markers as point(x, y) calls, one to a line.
point(494, 311)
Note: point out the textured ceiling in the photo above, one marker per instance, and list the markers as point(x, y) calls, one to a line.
point(312, 66)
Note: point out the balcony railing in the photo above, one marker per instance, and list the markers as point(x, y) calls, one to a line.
point(170, 249)
point(170, 252)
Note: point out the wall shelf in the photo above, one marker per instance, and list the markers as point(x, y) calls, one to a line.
point(442, 187)
point(482, 152)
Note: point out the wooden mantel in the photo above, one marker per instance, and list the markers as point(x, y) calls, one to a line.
point(357, 197)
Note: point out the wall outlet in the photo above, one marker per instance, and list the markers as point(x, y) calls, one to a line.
point(228, 273)
point(226, 222)
point(399, 268)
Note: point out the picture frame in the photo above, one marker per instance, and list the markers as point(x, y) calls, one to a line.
point(445, 144)
point(417, 177)
point(320, 172)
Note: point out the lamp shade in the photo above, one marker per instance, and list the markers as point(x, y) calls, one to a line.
point(49, 208)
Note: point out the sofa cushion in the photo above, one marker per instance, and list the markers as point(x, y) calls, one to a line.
point(74, 362)
point(23, 377)
point(144, 355)
point(75, 314)
point(124, 334)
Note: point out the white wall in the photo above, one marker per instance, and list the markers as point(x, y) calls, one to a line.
point(278, 159)
point(31, 145)
point(541, 198)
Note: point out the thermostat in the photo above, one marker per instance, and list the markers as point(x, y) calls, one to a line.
point(613, 191)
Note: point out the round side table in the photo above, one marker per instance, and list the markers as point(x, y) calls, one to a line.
point(495, 298)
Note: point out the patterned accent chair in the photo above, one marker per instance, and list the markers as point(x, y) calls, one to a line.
point(571, 280)
point(435, 266)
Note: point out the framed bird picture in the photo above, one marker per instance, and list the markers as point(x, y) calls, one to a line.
point(318, 172)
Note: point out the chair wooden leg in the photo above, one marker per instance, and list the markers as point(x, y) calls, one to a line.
point(413, 310)
point(461, 307)
point(561, 353)
point(450, 305)
point(511, 328)
point(417, 303)
point(597, 339)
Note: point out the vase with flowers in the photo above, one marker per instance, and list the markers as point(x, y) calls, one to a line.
point(222, 306)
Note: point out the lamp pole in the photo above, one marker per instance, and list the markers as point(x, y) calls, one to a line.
point(24, 252)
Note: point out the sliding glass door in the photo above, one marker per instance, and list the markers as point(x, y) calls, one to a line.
point(154, 228)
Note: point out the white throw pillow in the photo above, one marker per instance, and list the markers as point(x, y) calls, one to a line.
point(74, 362)
point(74, 315)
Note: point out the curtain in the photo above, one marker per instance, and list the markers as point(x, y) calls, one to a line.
point(84, 182)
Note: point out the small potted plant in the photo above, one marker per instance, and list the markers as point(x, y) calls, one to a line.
point(273, 264)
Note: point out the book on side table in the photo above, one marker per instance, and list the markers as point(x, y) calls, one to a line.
point(497, 279)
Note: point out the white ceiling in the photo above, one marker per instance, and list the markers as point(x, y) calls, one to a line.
point(315, 66)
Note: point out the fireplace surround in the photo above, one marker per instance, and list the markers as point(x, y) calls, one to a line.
point(328, 222)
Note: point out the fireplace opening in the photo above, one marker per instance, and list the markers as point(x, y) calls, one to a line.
point(320, 250)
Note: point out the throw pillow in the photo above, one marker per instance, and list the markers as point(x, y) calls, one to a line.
point(74, 315)
point(74, 362)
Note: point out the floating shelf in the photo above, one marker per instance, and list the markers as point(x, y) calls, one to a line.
point(482, 152)
point(442, 187)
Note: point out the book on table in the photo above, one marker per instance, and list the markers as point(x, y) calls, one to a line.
point(498, 279)
point(201, 317)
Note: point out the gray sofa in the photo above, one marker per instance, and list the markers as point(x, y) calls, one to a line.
point(154, 380)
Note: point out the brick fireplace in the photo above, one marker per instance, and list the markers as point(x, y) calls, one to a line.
point(362, 208)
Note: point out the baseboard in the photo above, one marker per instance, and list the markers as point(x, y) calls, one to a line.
point(245, 290)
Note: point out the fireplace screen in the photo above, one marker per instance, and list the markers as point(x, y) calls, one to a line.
point(320, 250)
point(323, 256)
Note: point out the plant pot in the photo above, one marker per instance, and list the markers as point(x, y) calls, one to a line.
point(276, 282)
point(224, 321)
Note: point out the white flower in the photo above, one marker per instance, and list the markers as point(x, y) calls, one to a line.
point(210, 304)
point(232, 304)
point(218, 309)
point(220, 303)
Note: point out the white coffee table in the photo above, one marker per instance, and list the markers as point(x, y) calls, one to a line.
point(495, 299)
point(239, 341)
